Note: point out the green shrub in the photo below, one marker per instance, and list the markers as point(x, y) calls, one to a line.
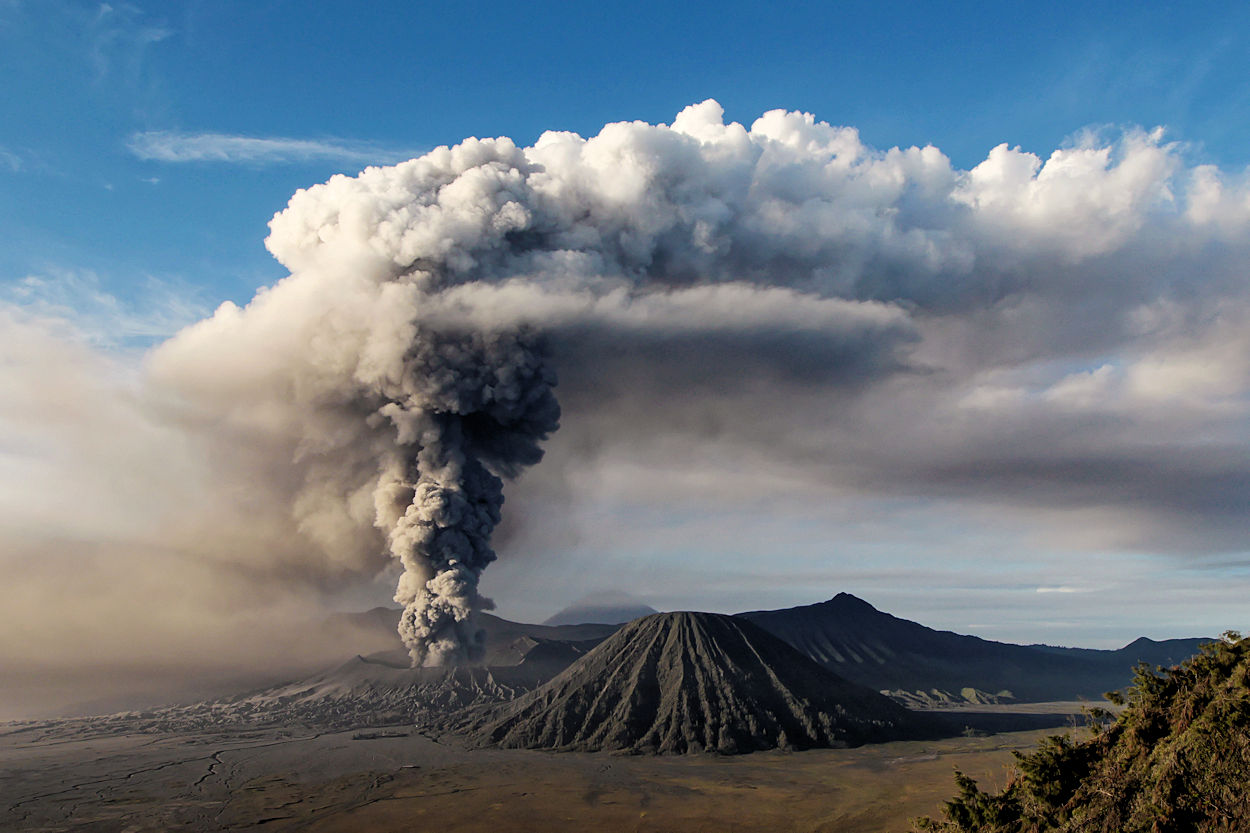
point(1177, 758)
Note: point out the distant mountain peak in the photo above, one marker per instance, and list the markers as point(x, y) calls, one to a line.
point(612, 608)
point(850, 601)
point(1139, 642)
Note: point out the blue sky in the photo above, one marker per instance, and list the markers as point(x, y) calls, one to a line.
point(144, 147)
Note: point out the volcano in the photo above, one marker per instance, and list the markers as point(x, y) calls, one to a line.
point(692, 682)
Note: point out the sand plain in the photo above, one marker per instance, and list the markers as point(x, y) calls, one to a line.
point(392, 778)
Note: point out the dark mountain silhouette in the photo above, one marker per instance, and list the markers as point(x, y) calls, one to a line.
point(921, 665)
point(689, 682)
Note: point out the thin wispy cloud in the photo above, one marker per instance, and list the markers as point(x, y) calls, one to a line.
point(119, 39)
point(10, 161)
point(78, 299)
point(174, 146)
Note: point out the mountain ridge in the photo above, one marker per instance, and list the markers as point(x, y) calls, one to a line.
point(915, 664)
point(849, 636)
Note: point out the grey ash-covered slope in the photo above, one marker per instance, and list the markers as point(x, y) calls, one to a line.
point(375, 690)
point(689, 682)
point(855, 640)
point(380, 688)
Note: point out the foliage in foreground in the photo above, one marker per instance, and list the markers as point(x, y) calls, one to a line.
point(1176, 759)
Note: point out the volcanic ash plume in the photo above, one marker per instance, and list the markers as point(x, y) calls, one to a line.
point(781, 288)
point(468, 408)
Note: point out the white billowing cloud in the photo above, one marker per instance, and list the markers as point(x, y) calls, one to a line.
point(1218, 203)
point(1082, 201)
point(175, 146)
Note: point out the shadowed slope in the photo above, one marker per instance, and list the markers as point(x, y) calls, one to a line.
point(690, 682)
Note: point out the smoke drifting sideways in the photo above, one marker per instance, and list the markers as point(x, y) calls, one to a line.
point(409, 361)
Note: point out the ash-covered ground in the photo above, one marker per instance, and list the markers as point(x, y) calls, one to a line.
point(392, 778)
